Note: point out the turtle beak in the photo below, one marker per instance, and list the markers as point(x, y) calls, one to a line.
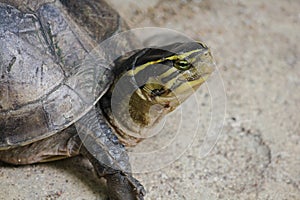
point(192, 79)
point(204, 70)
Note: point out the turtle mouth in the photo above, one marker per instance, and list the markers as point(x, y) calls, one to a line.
point(194, 78)
point(198, 76)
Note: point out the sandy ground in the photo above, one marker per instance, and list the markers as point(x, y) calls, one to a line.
point(255, 44)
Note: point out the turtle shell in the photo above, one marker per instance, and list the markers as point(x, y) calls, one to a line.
point(47, 81)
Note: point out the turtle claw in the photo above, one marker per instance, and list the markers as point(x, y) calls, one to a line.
point(124, 187)
point(138, 188)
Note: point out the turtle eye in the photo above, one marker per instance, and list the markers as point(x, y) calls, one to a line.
point(182, 64)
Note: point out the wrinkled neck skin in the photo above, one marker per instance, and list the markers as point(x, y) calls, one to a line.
point(134, 115)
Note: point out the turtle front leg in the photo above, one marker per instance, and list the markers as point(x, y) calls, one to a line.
point(121, 185)
point(108, 156)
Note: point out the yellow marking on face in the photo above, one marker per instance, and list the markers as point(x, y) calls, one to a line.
point(171, 82)
point(168, 72)
point(175, 57)
point(182, 56)
point(190, 85)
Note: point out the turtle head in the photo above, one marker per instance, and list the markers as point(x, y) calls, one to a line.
point(156, 81)
point(168, 75)
point(178, 70)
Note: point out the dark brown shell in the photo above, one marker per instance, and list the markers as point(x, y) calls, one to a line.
point(42, 77)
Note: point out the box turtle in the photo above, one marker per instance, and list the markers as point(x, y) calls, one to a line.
point(56, 100)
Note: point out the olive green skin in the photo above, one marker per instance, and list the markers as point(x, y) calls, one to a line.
point(42, 45)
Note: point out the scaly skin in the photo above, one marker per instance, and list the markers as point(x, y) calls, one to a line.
point(43, 86)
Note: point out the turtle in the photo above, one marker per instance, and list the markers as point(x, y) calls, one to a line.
point(55, 106)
